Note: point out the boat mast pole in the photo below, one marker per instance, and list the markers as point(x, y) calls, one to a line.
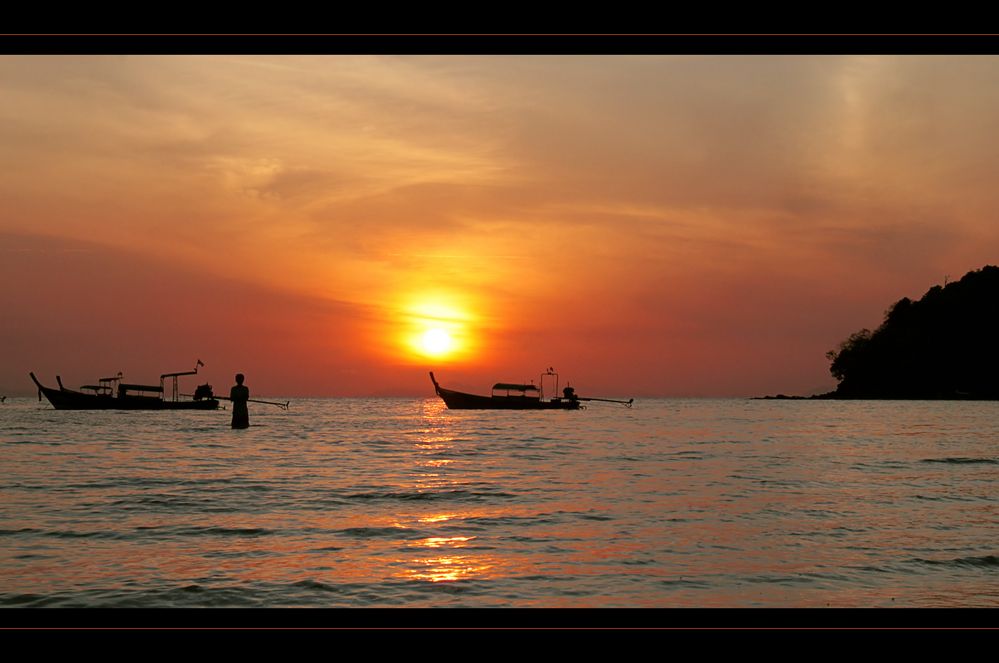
point(176, 389)
point(549, 373)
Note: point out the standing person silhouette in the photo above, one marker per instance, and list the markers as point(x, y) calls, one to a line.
point(239, 394)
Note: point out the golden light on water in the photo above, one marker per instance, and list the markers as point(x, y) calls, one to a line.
point(447, 565)
point(438, 518)
point(449, 568)
point(441, 541)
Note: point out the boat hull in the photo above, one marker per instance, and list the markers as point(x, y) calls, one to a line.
point(67, 399)
point(457, 400)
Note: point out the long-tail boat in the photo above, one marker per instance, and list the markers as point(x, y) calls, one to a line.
point(506, 396)
point(113, 394)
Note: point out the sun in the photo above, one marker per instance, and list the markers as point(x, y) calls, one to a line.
point(436, 342)
point(436, 327)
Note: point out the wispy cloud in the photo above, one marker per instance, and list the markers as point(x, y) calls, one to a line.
point(596, 192)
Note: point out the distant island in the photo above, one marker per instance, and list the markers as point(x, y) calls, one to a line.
point(943, 346)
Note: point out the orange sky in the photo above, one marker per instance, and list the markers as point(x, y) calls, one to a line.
point(649, 225)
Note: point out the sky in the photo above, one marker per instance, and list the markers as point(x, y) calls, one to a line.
point(675, 226)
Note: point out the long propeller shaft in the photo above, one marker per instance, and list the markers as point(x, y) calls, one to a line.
point(283, 406)
point(610, 400)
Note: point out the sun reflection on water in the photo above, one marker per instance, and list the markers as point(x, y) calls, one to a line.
point(434, 443)
point(430, 473)
point(438, 518)
point(449, 568)
point(441, 541)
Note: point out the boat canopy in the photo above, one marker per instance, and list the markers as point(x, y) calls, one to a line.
point(141, 387)
point(514, 387)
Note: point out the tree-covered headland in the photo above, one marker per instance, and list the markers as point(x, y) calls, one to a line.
point(944, 346)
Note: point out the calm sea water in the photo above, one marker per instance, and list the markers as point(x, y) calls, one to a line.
point(382, 502)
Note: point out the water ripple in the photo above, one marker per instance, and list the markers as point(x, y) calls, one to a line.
point(399, 503)
point(456, 494)
point(985, 561)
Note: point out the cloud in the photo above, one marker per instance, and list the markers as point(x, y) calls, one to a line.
point(658, 196)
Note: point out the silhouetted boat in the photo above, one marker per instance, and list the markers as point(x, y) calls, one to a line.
point(113, 394)
point(516, 397)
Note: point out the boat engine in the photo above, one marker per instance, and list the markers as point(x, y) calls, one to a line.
point(203, 391)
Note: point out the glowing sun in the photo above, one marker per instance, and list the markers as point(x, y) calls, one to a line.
point(437, 327)
point(436, 342)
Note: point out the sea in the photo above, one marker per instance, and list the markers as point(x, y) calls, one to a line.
point(388, 503)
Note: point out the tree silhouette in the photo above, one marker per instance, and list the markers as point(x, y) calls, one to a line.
point(942, 346)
